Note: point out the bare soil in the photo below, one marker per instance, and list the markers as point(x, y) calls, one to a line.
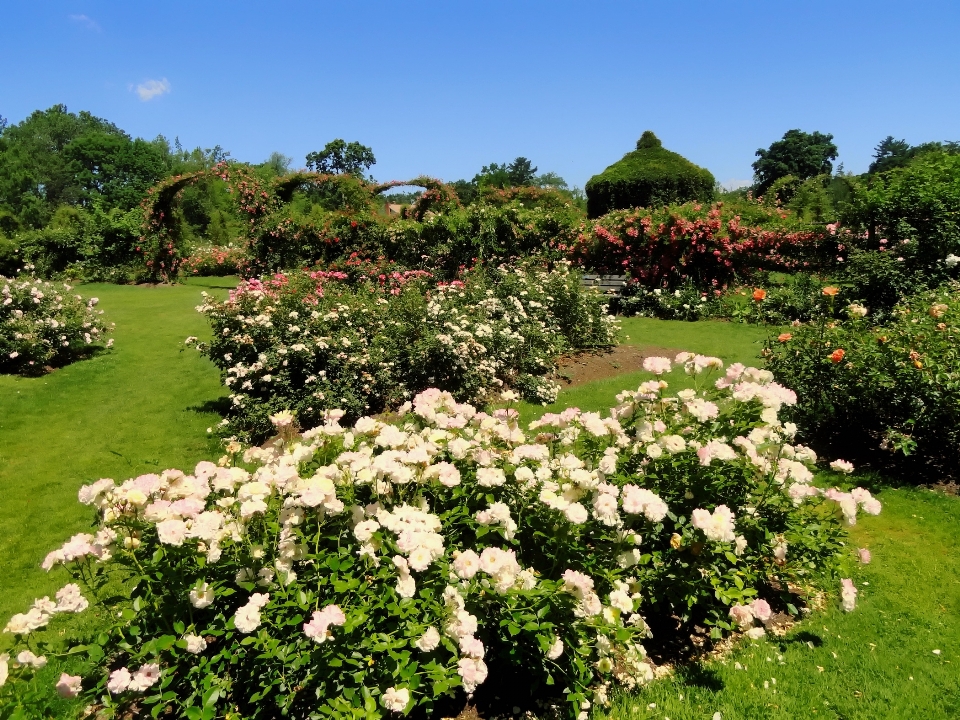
point(587, 367)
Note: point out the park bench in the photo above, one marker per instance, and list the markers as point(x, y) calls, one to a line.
point(607, 284)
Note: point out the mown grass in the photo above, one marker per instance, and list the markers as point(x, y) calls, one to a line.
point(141, 407)
point(146, 405)
point(876, 662)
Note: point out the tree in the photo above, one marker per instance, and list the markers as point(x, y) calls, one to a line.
point(339, 158)
point(277, 164)
point(521, 172)
point(889, 154)
point(113, 170)
point(34, 175)
point(550, 180)
point(800, 154)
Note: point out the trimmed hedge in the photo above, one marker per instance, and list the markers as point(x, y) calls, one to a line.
point(648, 176)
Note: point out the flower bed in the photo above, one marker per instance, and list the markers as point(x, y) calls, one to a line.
point(42, 324)
point(306, 342)
point(367, 569)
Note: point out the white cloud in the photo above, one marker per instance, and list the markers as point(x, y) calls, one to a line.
point(86, 22)
point(152, 88)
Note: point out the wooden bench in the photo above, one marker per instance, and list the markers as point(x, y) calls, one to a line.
point(607, 284)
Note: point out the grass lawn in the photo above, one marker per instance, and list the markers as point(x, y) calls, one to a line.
point(141, 407)
point(146, 406)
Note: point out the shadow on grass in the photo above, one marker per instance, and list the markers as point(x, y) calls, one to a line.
point(803, 637)
point(219, 406)
point(701, 676)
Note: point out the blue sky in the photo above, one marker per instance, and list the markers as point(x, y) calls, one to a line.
point(442, 88)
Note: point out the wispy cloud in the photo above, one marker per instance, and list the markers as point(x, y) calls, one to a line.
point(85, 22)
point(152, 88)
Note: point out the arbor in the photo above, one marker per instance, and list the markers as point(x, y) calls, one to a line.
point(798, 153)
point(339, 157)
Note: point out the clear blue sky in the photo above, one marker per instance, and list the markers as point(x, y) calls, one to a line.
point(443, 88)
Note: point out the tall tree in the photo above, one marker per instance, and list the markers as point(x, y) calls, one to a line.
point(798, 153)
point(113, 169)
point(34, 175)
point(340, 157)
point(890, 153)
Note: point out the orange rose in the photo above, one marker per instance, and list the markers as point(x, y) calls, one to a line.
point(759, 294)
point(837, 355)
point(784, 337)
point(830, 291)
point(938, 310)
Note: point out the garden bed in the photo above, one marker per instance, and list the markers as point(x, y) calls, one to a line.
point(582, 368)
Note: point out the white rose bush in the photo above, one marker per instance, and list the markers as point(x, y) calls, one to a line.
point(313, 341)
point(42, 324)
point(387, 566)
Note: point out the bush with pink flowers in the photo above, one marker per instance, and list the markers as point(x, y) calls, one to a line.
point(382, 567)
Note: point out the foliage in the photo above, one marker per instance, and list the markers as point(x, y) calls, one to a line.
point(890, 153)
point(803, 155)
point(340, 157)
point(91, 245)
point(41, 324)
point(56, 157)
point(912, 212)
point(706, 245)
point(308, 342)
point(686, 302)
point(649, 176)
point(346, 578)
point(892, 387)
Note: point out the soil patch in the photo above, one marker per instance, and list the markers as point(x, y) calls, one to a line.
point(587, 367)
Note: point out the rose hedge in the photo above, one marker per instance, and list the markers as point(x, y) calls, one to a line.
point(307, 342)
point(374, 568)
point(708, 246)
point(893, 387)
point(42, 324)
point(215, 261)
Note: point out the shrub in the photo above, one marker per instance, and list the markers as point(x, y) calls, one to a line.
point(685, 303)
point(307, 342)
point(912, 212)
point(215, 261)
point(374, 569)
point(893, 387)
point(41, 324)
point(91, 245)
point(647, 177)
point(706, 245)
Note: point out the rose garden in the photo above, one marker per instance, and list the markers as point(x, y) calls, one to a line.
point(335, 461)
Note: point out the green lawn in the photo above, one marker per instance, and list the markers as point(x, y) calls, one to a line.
point(146, 406)
point(140, 407)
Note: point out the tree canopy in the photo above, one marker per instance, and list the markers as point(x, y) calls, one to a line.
point(339, 157)
point(891, 153)
point(798, 153)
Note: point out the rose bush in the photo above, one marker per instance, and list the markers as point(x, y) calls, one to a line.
point(706, 245)
point(368, 569)
point(307, 342)
point(215, 261)
point(42, 324)
point(892, 386)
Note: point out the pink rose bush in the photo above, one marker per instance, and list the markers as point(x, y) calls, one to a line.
point(368, 568)
point(44, 323)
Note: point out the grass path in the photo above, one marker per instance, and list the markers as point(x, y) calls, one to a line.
point(135, 409)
